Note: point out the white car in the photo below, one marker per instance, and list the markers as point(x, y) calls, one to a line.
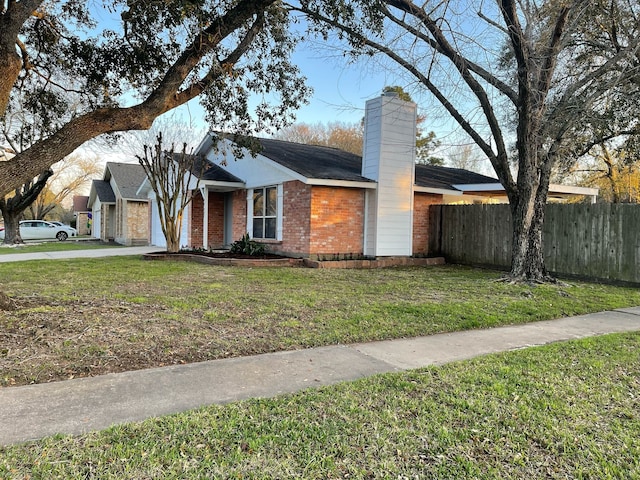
point(41, 230)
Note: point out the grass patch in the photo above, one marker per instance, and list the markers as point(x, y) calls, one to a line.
point(184, 312)
point(54, 246)
point(567, 410)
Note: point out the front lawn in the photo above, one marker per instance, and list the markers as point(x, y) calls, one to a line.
point(567, 410)
point(92, 316)
point(54, 246)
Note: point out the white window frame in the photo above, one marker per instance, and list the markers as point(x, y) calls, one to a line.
point(278, 216)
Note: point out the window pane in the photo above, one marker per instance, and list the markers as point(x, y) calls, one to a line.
point(258, 224)
point(272, 202)
point(258, 203)
point(270, 228)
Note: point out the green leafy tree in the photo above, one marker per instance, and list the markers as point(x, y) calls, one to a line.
point(93, 77)
point(506, 70)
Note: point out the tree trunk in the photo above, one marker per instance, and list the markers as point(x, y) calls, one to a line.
point(11, 227)
point(13, 208)
point(172, 236)
point(527, 211)
point(527, 262)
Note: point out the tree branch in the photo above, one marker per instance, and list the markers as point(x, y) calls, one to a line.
point(477, 69)
point(166, 96)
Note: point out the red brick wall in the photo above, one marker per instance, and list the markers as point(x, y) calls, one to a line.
point(196, 212)
point(337, 220)
point(295, 218)
point(317, 220)
point(239, 221)
point(421, 202)
point(216, 220)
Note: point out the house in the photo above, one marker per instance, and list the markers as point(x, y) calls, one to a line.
point(82, 214)
point(313, 201)
point(119, 213)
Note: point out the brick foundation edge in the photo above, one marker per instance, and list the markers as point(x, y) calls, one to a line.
point(300, 262)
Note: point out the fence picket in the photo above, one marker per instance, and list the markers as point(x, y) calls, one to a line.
point(600, 241)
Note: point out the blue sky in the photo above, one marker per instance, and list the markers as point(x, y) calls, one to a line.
point(340, 89)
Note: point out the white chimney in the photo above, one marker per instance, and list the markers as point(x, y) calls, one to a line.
point(389, 154)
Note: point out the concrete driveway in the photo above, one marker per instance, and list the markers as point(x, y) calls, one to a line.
point(89, 253)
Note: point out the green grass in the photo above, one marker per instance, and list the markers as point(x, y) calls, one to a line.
point(54, 246)
point(567, 410)
point(183, 312)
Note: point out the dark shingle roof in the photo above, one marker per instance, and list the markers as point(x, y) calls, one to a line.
point(213, 172)
point(80, 203)
point(434, 176)
point(313, 161)
point(104, 192)
point(128, 178)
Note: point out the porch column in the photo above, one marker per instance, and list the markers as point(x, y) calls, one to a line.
point(205, 221)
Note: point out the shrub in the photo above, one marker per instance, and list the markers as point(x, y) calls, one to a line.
point(246, 246)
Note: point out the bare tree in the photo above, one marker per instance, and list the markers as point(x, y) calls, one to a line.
point(172, 176)
point(615, 171)
point(345, 136)
point(510, 74)
point(349, 136)
point(69, 177)
point(467, 157)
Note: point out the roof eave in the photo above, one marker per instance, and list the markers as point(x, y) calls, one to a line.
point(326, 182)
point(573, 190)
point(498, 189)
point(439, 191)
point(222, 186)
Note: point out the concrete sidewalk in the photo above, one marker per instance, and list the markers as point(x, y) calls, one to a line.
point(89, 253)
point(85, 404)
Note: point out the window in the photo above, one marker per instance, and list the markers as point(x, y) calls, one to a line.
point(265, 212)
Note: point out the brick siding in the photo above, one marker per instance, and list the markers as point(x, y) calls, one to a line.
point(295, 219)
point(239, 213)
point(196, 212)
point(421, 202)
point(317, 220)
point(337, 220)
point(137, 231)
point(215, 235)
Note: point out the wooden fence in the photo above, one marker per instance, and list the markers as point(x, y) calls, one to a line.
point(599, 241)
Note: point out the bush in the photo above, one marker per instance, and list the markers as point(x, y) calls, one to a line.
point(246, 246)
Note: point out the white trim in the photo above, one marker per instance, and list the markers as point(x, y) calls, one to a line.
point(230, 185)
point(339, 183)
point(204, 192)
point(553, 189)
point(441, 191)
point(573, 190)
point(479, 187)
point(249, 225)
point(144, 187)
point(279, 213)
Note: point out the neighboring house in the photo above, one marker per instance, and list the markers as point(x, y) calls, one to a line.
point(312, 201)
point(119, 212)
point(82, 214)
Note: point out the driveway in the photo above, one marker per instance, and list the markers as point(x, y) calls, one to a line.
point(89, 253)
